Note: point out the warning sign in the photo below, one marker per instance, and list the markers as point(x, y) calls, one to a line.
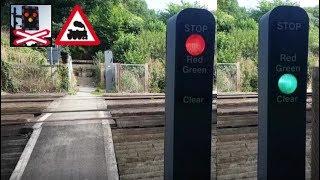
point(77, 30)
point(38, 37)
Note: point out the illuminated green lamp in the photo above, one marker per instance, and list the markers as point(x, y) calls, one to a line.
point(287, 83)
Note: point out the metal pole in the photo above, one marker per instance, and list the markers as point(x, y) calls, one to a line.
point(14, 18)
point(51, 63)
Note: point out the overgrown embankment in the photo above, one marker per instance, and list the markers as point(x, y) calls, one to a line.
point(24, 69)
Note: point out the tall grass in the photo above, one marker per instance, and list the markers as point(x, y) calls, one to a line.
point(22, 70)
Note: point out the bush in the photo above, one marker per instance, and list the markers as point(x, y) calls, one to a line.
point(247, 23)
point(130, 83)
point(314, 40)
point(225, 22)
point(246, 43)
point(139, 49)
point(157, 76)
point(63, 80)
point(237, 45)
point(123, 20)
point(155, 25)
point(249, 75)
point(7, 83)
point(25, 55)
point(154, 44)
point(226, 49)
point(32, 78)
point(97, 59)
point(313, 61)
point(126, 50)
point(224, 83)
point(22, 70)
point(226, 77)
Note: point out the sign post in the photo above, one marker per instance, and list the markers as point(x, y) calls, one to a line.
point(283, 54)
point(109, 71)
point(51, 63)
point(189, 82)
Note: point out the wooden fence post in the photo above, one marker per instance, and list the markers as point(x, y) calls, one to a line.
point(315, 125)
point(102, 73)
point(70, 71)
point(238, 77)
point(146, 78)
point(117, 76)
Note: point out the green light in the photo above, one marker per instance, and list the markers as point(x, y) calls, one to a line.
point(287, 83)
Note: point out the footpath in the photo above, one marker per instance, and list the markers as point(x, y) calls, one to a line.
point(70, 145)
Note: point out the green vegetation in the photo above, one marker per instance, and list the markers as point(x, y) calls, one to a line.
point(237, 39)
point(129, 83)
point(157, 76)
point(20, 55)
point(249, 75)
point(6, 79)
point(98, 58)
point(99, 91)
point(136, 35)
point(23, 70)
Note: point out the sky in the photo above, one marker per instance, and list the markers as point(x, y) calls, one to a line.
point(249, 4)
point(212, 4)
point(162, 4)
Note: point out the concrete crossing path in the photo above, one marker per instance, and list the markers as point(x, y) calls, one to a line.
point(77, 149)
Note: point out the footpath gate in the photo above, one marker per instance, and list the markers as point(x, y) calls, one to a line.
point(84, 71)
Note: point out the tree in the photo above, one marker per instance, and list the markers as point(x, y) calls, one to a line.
point(173, 9)
point(265, 6)
point(229, 6)
point(313, 13)
point(137, 7)
point(232, 8)
point(225, 22)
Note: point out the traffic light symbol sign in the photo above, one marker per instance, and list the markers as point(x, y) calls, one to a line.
point(30, 18)
point(30, 25)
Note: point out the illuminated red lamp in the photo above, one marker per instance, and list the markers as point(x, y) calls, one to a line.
point(26, 14)
point(195, 44)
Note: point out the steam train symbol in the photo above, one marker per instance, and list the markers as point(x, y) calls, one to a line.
point(76, 34)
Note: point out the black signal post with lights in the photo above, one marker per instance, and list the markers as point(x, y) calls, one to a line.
point(283, 54)
point(30, 17)
point(189, 81)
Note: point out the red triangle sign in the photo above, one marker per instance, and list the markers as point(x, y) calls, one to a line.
point(77, 30)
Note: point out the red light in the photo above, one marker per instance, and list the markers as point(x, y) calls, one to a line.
point(26, 14)
point(195, 44)
point(34, 14)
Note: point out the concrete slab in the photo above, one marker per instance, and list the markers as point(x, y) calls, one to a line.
point(68, 152)
point(73, 149)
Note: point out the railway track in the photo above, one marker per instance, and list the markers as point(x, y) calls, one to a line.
point(137, 123)
point(138, 136)
point(26, 108)
point(49, 98)
point(162, 96)
point(15, 132)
